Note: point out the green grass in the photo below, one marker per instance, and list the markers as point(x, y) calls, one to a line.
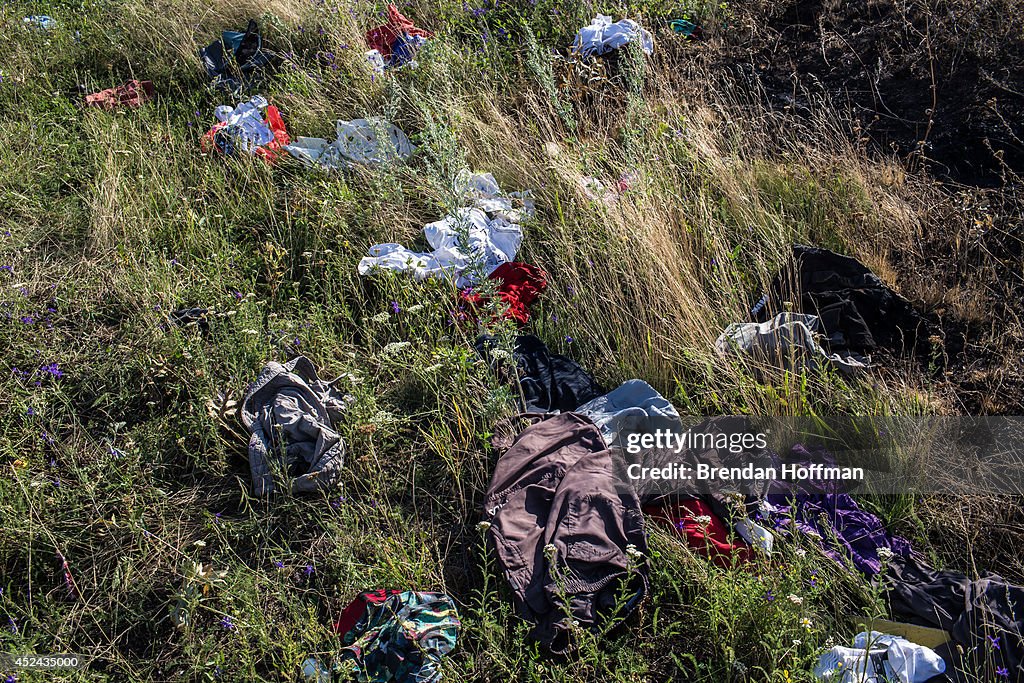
point(122, 465)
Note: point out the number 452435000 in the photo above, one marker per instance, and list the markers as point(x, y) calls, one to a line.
point(10, 661)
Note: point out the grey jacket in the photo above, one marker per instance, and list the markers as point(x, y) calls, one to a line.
point(291, 413)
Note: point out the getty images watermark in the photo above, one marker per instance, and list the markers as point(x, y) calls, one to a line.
point(693, 455)
point(666, 441)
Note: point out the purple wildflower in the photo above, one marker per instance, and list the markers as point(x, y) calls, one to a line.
point(769, 596)
point(308, 570)
point(279, 564)
point(52, 369)
point(993, 642)
point(227, 624)
point(395, 307)
point(1003, 671)
point(568, 340)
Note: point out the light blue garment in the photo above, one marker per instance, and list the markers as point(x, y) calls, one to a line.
point(629, 408)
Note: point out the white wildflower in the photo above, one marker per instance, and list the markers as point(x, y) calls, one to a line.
point(633, 552)
point(416, 308)
point(884, 554)
point(396, 347)
point(703, 520)
point(500, 354)
point(797, 642)
point(483, 526)
point(806, 623)
point(381, 317)
point(800, 552)
point(795, 599)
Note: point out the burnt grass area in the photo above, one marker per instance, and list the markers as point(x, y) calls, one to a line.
point(940, 87)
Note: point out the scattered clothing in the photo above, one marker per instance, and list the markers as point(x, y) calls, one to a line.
point(704, 531)
point(602, 36)
point(550, 383)
point(243, 129)
point(291, 413)
point(362, 141)
point(356, 609)
point(40, 21)
point(837, 522)
point(245, 62)
point(469, 243)
point(132, 94)
point(879, 658)
point(567, 533)
point(635, 408)
point(628, 409)
point(787, 340)
point(687, 28)
point(519, 285)
point(398, 40)
point(403, 638)
point(984, 617)
point(857, 312)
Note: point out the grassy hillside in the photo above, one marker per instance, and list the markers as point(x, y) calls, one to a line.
point(122, 463)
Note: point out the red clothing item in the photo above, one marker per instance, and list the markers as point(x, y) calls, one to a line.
point(383, 37)
point(357, 608)
point(132, 94)
point(519, 285)
point(269, 152)
point(711, 538)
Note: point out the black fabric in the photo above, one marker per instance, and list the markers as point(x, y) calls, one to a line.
point(549, 382)
point(238, 59)
point(858, 312)
point(984, 617)
point(191, 317)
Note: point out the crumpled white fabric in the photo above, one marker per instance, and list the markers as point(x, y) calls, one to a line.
point(365, 141)
point(755, 535)
point(784, 337)
point(245, 123)
point(376, 61)
point(470, 242)
point(601, 36)
point(889, 659)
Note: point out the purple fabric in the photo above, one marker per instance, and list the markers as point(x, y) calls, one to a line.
point(844, 530)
